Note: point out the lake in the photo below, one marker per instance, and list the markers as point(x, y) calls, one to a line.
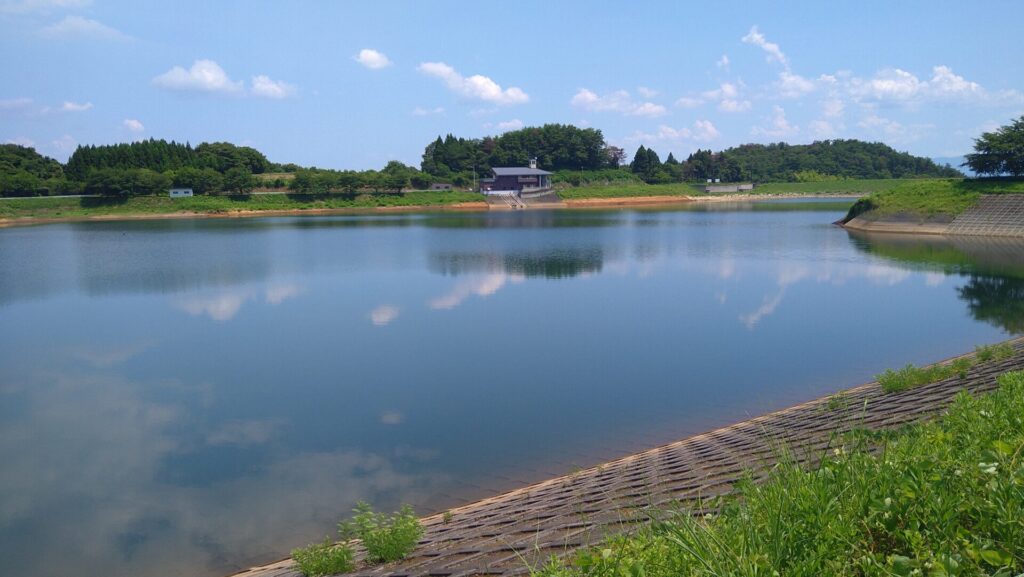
point(189, 397)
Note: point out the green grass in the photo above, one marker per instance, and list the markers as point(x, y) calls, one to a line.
point(386, 537)
point(911, 376)
point(697, 189)
point(933, 198)
point(941, 498)
point(630, 190)
point(865, 186)
point(42, 207)
point(324, 558)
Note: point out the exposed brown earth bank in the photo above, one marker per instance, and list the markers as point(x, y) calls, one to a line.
point(509, 533)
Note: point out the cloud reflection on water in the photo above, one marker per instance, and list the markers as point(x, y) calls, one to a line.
point(83, 464)
point(224, 305)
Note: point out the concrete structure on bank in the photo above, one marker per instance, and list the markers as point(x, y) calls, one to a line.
point(737, 187)
point(517, 180)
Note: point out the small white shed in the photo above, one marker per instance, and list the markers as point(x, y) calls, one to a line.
point(181, 192)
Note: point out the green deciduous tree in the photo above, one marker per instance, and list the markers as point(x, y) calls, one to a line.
point(1000, 151)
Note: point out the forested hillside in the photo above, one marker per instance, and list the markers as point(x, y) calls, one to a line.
point(576, 155)
point(837, 158)
point(24, 169)
point(555, 146)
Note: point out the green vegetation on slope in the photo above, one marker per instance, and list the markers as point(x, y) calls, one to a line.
point(932, 198)
point(911, 376)
point(630, 190)
point(943, 498)
point(86, 207)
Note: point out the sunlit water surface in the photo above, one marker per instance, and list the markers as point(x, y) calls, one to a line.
point(189, 397)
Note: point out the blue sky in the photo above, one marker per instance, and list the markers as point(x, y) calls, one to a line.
point(355, 84)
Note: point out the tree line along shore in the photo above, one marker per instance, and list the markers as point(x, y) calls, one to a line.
point(133, 178)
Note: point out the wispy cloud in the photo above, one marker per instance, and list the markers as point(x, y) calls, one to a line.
point(40, 6)
point(620, 101)
point(701, 131)
point(79, 27)
point(778, 125)
point(15, 103)
point(372, 59)
point(772, 51)
point(476, 87)
point(264, 87)
point(21, 141)
point(420, 111)
point(75, 106)
point(133, 125)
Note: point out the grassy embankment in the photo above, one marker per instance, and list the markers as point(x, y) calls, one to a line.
point(150, 205)
point(697, 189)
point(933, 198)
point(939, 498)
point(887, 193)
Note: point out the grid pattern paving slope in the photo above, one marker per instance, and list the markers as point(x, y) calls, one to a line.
point(506, 534)
point(994, 215)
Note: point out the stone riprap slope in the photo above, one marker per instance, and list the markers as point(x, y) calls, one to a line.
point(506, 534)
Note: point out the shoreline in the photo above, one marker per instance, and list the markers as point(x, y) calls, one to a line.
point(474, 206)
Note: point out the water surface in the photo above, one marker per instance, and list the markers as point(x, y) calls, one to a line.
point(188, 397)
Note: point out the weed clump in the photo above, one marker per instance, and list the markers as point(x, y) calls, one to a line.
point(912, 376)
point(993, 352)
point(386, 537)
point(324, 558)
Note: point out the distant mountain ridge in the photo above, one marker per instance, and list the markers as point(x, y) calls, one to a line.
point(955, 162)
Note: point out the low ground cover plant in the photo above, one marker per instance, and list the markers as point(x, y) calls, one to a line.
point(324, 558)
point(942, 498)
point(912, 376)
point(386, 537)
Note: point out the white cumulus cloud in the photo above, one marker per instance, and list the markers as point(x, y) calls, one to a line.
point(79, 27)
point(133, 125)
point(264, 87)
point(888, 84)
point(723, 62)
point(372, 59)
point(476, 87)
point(945, 83)
point(793, 85)
point(203, 76)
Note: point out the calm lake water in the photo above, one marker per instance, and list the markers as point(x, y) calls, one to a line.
point(190, 397)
